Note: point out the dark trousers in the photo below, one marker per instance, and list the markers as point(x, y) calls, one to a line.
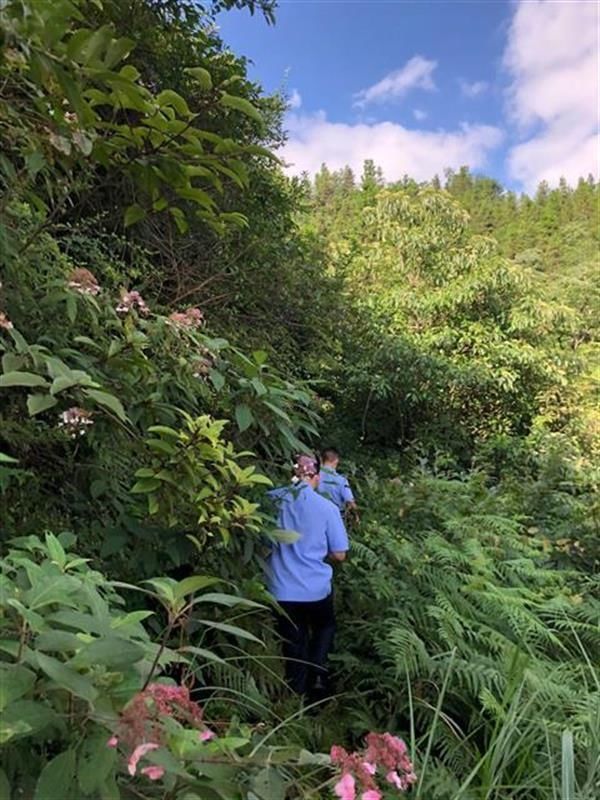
point(307, 633)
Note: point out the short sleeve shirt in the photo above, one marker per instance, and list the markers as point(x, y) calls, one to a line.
point(335, 487)
point(297, 571)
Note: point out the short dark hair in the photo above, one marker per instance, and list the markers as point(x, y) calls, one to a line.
point(330, 454)
point(306, 465)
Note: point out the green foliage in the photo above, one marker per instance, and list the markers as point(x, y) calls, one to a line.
point(472, 603)
point(74, 660)
point(452, 336)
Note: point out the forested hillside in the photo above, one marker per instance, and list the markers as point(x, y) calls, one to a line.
point(178, 319)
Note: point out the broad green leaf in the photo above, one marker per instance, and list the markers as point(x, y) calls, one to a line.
point(67, 678)
point(108, 401)
point(36, 403)
point(15, 681)
point(133, 214)
point(164, 430)
point(57, 777)
point(243, 416)
point(217, 378)
point(11, 361)
point(117, 50)
point(193, 584)
point(201, 76)
point(35, 716)
point(268, 784)
point(170, 98)
point(159, 445)
point(165, 588)
point(96, 761)
point(9, 730)
point(4, 459)
point(241, 104)
point(21, 379)
point(114, 652)
point(145, 485)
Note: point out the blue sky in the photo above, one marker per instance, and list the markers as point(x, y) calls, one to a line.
point(509, 87)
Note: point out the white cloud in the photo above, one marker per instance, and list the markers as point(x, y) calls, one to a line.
point(473, 89)
point(295, 99)
point(397, 150)
point(419, 114)
point(552, 54)
point(415, 74)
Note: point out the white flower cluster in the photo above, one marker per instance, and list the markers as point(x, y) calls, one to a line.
point(75, 421)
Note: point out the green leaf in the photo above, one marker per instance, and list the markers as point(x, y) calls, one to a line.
point(36, 403)
point(208, 655)
point(15, 681)
point(22, 379)
point(165, 588)
point(56, 550)
point(108, 401)
point(164, 431)
point(145, 485)
point(112, 651)
point(4, 786)
point(35, 716)
point(232, 629)
point(217, 378)
point(96, 762)
point(159, 445)
point(228, 600)
point(241, 104)
point(193, 584)
point(201, 76)
point(268, 784)
point(57, 777)
point(133, 214)
point(71, 308)
point(117, 50)
point(11, 361)
point(67, 678)
point(170, 98)
point(243, 416)
point(179, 218)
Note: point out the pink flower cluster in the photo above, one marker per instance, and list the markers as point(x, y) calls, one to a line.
point(385, 754)
point(5, 322)
point(75, 421)
point(83, 281)
point(140, 726)
point(191, 318)
point(130, 301)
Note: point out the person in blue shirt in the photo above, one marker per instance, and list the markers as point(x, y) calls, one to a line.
point(299, 575)
point(335, 487)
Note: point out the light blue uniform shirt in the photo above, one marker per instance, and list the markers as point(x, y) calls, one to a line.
point(297, 570)
point(335, 487)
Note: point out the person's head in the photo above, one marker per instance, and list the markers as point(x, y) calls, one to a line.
point(330, 457)
point(307, 468)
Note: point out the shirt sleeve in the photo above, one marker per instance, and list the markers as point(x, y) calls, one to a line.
point(337, 538)
point(347, 494)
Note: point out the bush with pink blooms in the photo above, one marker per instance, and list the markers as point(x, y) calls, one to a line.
point(367, 773)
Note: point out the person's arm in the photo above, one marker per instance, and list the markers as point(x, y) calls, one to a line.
point(337, 538)
point(349, 502)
